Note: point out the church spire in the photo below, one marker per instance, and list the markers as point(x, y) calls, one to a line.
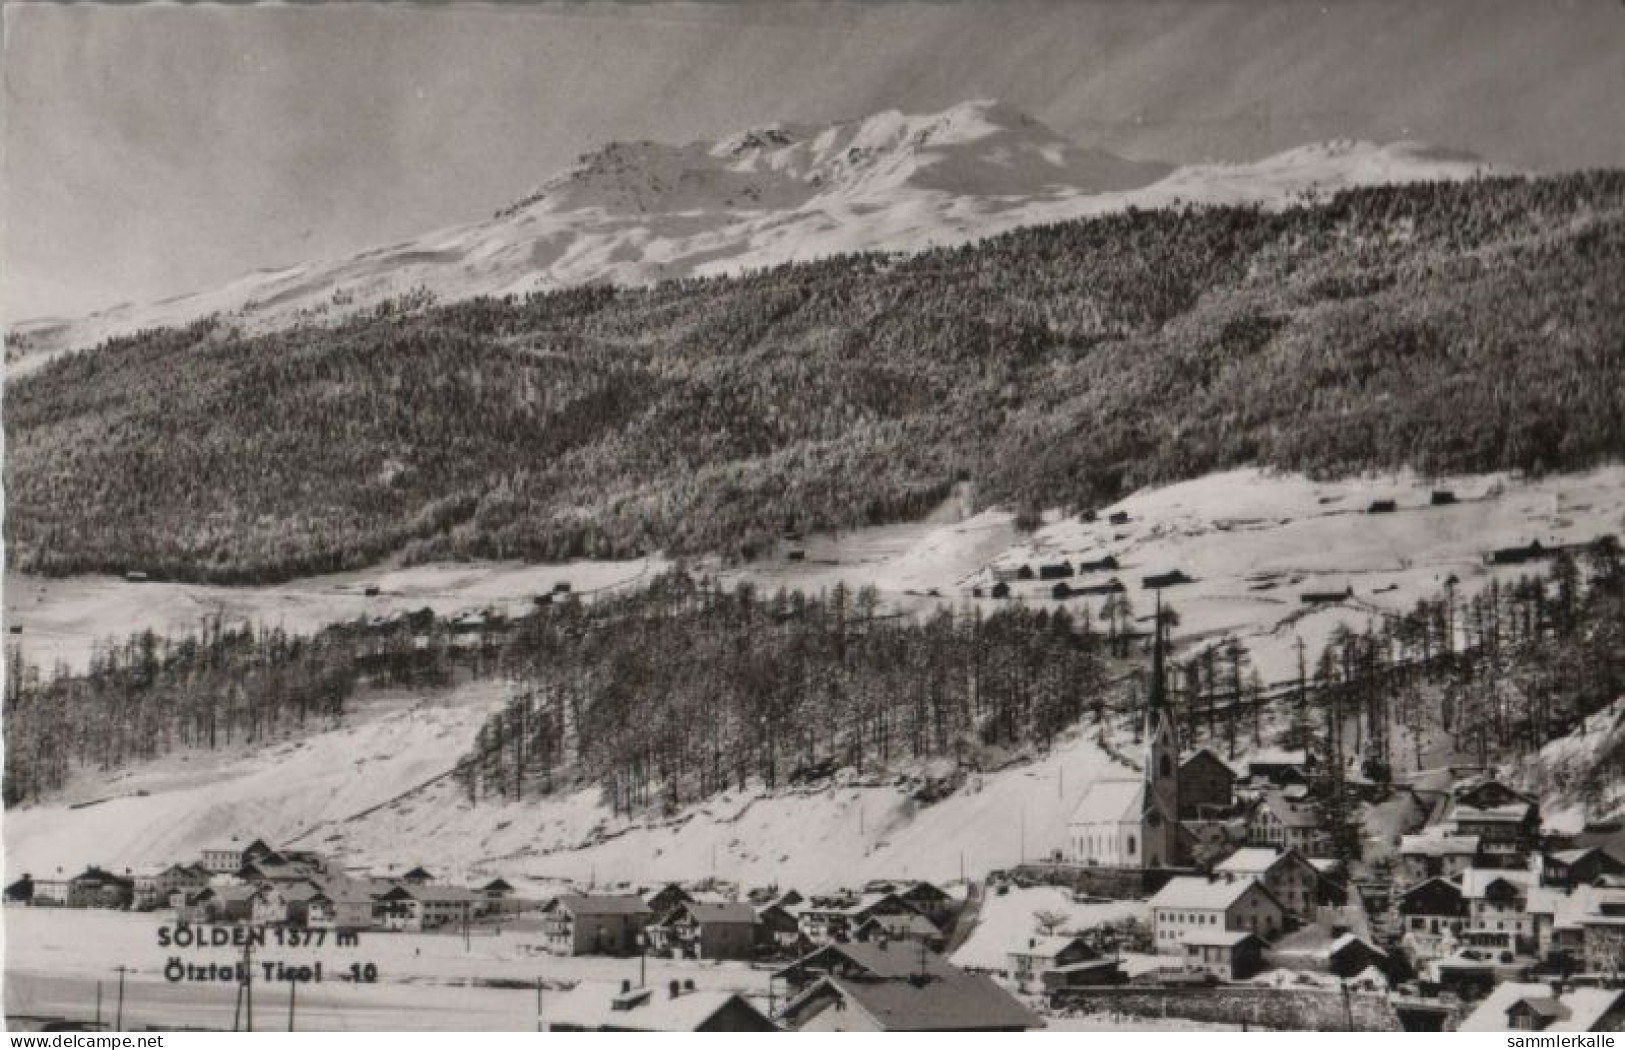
point(1154, 695)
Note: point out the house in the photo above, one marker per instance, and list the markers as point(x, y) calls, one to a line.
point(1315, 950)
point(1091, 973)
point(51, 893)
point(596, 1006)
point(219, 904)
point(825, 920)
point(21, 891)
point(777, 930)
point(1382, 506)
point(665, 899)
point(96, 888)
point(928, 899)
point(705, 930)
point(1286, 823)
point(496, 896)
point(1191, 904)
point(1291, 878)
point(895, 988)
point(340, 906)
point(1207, 784)
point(1100, 590)
point(1159, 580)
point(1432, 915)
point(576, 924)
point(1518, 1006)
point(1520, 555)
point(1061, 570)
point(1229, 955)
point(1602, 926)
point(1507, 830)
point(1039, 955)
point(1442, 498)
point(228, 858)
point(1497, 909)
point(1279, 765)
point(1025, 572)
point(268, 906)
point(900, 928)
point(1106, 564)
point(156, 887)
point(409, 906)
point(1437, 855)
point(1117, 517)
point(418, 876)
point(1579, 867)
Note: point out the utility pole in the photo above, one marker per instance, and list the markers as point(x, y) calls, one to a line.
point(248, 986)
point(538, 1002)
point(293, 992)
point(98, 1005)
point(118, 1018)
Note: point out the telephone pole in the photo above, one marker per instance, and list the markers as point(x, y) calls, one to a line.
point(118, 1018)
point(293, 994)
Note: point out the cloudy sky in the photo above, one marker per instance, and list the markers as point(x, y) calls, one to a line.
point(150, 151)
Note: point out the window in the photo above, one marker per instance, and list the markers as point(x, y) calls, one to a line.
point(1131, 845)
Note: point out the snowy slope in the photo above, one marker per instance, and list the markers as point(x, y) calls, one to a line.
point(640, 212)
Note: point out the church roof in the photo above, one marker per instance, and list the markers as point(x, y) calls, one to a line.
point(1110, 802)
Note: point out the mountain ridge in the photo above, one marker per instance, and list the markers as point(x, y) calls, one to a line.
point(637, 213)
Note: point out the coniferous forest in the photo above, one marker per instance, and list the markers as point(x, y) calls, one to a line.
point(1446, 327)
point(669, 695)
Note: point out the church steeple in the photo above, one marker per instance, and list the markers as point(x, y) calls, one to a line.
point(1159, 817)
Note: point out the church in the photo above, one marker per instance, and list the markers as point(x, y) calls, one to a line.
point(1133, 822)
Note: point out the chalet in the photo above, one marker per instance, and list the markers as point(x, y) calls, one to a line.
point(219, 904)
point(1191, 904)
point(51, 893)
point(1432, 915)
point(895, 988)
point(1088, 974)
point(1579, 867)
point(1117, 517)
point(496, 896)
point(928, 899)
point(1520, 555)
point(340, 906)
point(595, 1006)
point(421, 906)
point(1207, 785)
point(228, 858)
point(1106, 564)
point(1039, 955)
point(1507, 831)
point(562, 587)
point(1435, 854)
point(1517, 1006)
point(1277, 765)
point(21, 891)
point(1603, 934)
point(95, 888)
point(1326, 597)
point(1159, 580)
point(828, 919)
point(1442, 498)
point(296, 898)
point(418, 876)
point(1314, 950)
point(1229, 955)
point(705, 930)
point(1382, 506)
point(1293, 880)
point(1058, 570)
point(1061, 591)
point(155, 887)
point(915, 928)
point(1284, 823)
point(776, 929)
point(1025, 572)
point(576, 924)
point(1097, 590)
point(1497, 909)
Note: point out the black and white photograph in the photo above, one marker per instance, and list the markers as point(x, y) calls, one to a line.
point(814, 516)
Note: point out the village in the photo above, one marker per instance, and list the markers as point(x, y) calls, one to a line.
point(1192, 887)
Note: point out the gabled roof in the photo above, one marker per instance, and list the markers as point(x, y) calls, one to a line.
point(1258, 860)
point(1435, 845)
point(1050, 947)
point(953, 1001)
point(704, 912)
point(1586, 1007)
point(1291, 814)
point(1110, 802)
point(599, 1005)
point(606, 904)
point(1207, 757)
point(1476, 881)
point(1189, 891)
point(1217, 938)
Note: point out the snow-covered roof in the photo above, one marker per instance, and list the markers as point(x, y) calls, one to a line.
point(1575, 1010)
point(593, 1005)
point(1045, 947)
point(1475, 881)
point(1216, 938)
point(1511, 813)
point(1437, 845)
point(1110, 802)
point(1290, 813)
point(1251, 860)
point(1189, 891)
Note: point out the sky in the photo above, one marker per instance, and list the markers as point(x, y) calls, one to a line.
point(154, 150)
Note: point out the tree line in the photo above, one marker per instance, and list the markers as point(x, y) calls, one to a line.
point(1446, 327)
